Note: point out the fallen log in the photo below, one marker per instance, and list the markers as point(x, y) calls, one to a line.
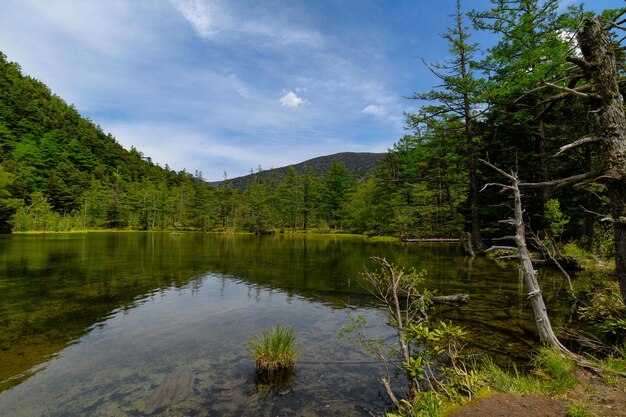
point(455, 299)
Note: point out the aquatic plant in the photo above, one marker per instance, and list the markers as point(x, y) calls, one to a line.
point(274, 350)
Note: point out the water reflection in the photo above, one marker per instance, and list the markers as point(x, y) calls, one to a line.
point(162, 321)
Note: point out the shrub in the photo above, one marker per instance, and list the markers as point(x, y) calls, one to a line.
point(607, 312)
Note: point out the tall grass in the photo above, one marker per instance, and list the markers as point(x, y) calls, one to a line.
point(275, 349)
point(552, 374)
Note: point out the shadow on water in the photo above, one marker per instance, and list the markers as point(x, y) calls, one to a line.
point(157, 323)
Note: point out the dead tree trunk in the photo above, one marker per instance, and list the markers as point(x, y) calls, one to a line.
point(540, 313)
point(600, 70)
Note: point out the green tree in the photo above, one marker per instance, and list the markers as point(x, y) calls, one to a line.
point(534, 42)
point(460, 98)
point(290, 199)
point(8, 204)
point(337, 185)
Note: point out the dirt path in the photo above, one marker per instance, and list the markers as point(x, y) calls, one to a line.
point(600, 398)
point(509, 405)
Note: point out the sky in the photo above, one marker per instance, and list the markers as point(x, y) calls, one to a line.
point(227, 86)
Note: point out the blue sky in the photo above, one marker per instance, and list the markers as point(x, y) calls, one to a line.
point(228, 85)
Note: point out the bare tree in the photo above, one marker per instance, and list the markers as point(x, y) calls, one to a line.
point(540, 313)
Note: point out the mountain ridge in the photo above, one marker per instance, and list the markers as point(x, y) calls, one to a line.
point(359, 163)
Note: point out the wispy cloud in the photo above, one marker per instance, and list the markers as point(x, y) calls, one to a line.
point(374, 110)
point(200, 14)
point(211, 20)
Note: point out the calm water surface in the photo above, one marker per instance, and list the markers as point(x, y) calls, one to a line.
point(136, 324)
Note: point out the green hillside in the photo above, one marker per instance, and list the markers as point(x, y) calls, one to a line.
point(59, 170)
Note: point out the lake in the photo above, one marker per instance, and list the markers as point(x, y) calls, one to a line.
point(136, 324)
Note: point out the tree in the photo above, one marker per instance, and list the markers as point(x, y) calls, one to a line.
point(337, 185)
point(431, 165)
point(540, 313)
point(290, 198)
point(534, 43)
point(8, 204)
point(459, 97)
point(599, 67)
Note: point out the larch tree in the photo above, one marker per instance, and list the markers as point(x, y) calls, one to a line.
point(534, 42)
point(458, 98)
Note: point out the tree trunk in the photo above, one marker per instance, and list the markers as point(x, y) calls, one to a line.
point(476, 238)
point(540, 313)
point(542, 321)
point(601, 70)
point(540, 148)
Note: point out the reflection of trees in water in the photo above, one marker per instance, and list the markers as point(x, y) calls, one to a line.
point(56, 287)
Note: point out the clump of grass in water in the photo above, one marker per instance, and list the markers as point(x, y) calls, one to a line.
point(274, 351)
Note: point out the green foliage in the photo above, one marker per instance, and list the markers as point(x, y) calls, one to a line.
point(583, 259)
point(8, 204)
point(511, 381)
point(275, 349)
point(354, 333)
point(555, 218)
point(431, 356)
point(607, 312)
point(441, 361)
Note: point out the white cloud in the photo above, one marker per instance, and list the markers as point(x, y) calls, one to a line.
point(199, 14)
point(291, 100)
point(375, 110)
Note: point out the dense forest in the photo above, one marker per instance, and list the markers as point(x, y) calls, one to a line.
point(516, 104)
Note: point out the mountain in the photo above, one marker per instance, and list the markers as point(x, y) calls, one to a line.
point(359, 163)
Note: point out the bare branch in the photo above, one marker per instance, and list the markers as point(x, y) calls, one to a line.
point(580, 62)
point(507, 221)
point(507, 248)
point(504, 238)
point(385, 382)
point(572, 91)
point(490, 184)
point(550, 252)
point(560, 96)
point(604, 218)
point(577, 143)
point(560, 182)
point(499, 171)
point(616, 26)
